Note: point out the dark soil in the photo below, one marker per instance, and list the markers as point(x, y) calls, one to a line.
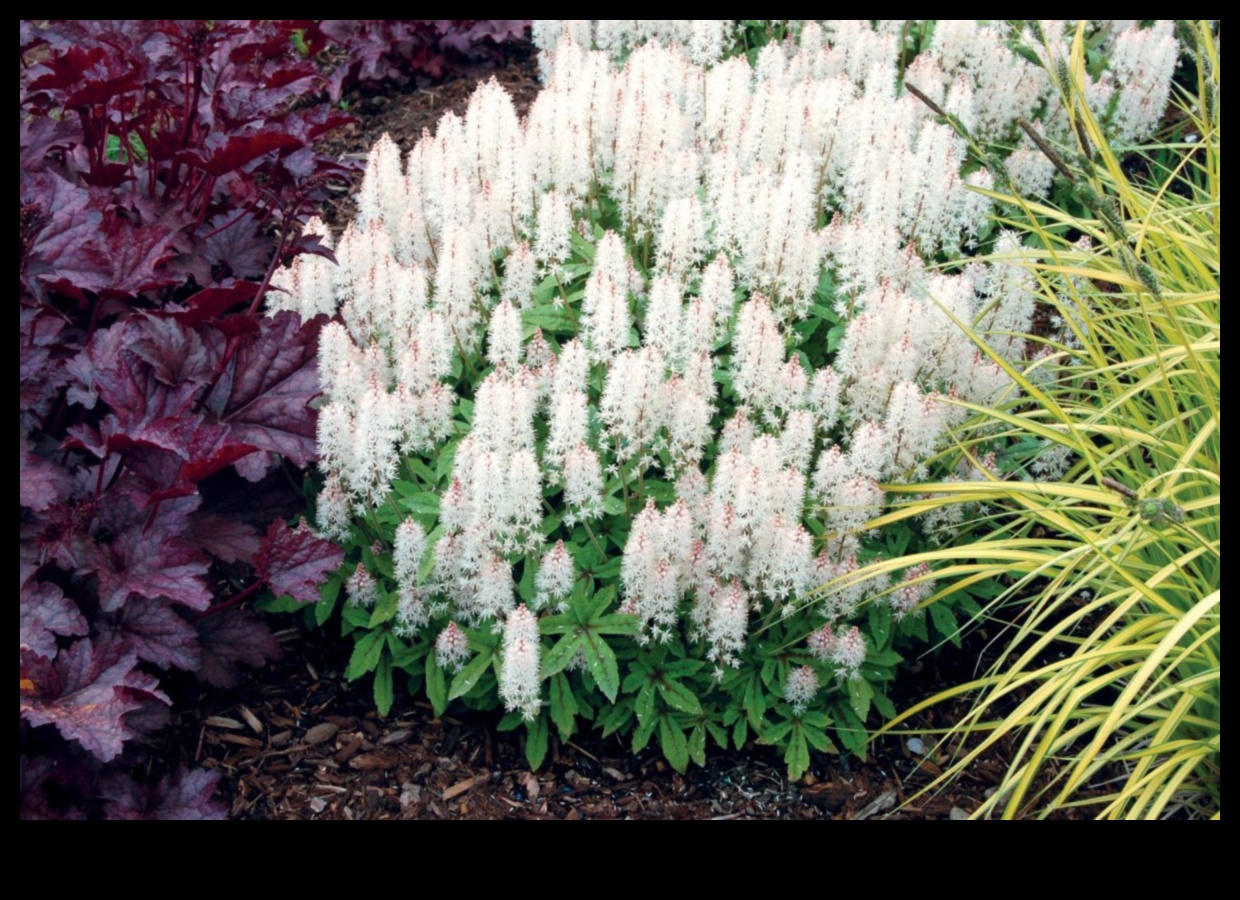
point(298, 742)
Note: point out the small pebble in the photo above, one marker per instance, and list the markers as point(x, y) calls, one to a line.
point(916, 746)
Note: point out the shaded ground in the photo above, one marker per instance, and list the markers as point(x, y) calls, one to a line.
point(296, 741)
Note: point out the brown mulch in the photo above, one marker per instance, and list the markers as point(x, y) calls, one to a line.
point(404, 113)
point(296, 741)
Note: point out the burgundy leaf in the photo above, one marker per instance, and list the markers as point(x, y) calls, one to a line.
point(150, 562)
point(41, 135)
point(45, 612)
point(175, 353)
point(266, 391)
point(211, 303)
point(41, 376)
point(131, 256)
point(41, 482)
point(230, 637)
point(230, 540)
point(186, 794)
point(239, 151)
point(236, 242)
point(66, 251)
point(154, 631)
point(85, 694)
point(296, 561)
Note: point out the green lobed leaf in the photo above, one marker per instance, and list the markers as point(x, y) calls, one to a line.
point(601, 662)
point(797, 756)
point(383, 685)
point(366, 653)
point(465, 679)
point(677, 696)
point(559, 656)
point(563, 706)
point(436, 685)
point(536, 742)
point(673, 744)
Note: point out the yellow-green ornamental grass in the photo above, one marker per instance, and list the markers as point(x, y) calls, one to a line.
point(1109, 683)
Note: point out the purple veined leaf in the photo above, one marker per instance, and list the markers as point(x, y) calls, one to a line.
point(235, 242)
point(41, 482)
point(264, 395)
point(227, 539)
point(153, 630)
point(212, 303)
point(296, 561)
point(85, 693)
point(151, 562)
point(230, 637)
point(175, 352)
point(186, 794)
point(41, 135)
point(132, 257)
point(240, 151)
point(66, 253)
point(44, 612)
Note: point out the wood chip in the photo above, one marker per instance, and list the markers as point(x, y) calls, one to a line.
point(224, 722)
point(881, 803)
point(459, 788)
point(324, 731)
point(281, 739)
point(396, 737)
point(371, 761)
point(252, 720)
point(529, 781)
point(241, 739)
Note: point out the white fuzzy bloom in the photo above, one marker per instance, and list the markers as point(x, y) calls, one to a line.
point(634, 402)
point(583, 484)
point(913, 426)
point(554, 581)
point(797, 441)
point(373, 460)
point(570, 422)
point(849, 653)
point(407, 552)
point(334, 437)
point(1143, 62)
point(524, 502)
point(759, 355)
point(662, 326)
point(821, 643)
point(520, 674)
point(824, 397)
point(451, 648)
point(520, 272)
point(728, 623)
point(334, 511)
point(571, 368)
point(412, 612)
point(361, 588)
point(914, 587)
point(381, 191)
point(504, 336)
point(554, 228)
point(606, 317)
point(801, 688)
point(682, 236)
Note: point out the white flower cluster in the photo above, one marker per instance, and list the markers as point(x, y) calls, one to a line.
point(727, 176)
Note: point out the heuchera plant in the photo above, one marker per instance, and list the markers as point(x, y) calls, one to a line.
point(164, 167)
